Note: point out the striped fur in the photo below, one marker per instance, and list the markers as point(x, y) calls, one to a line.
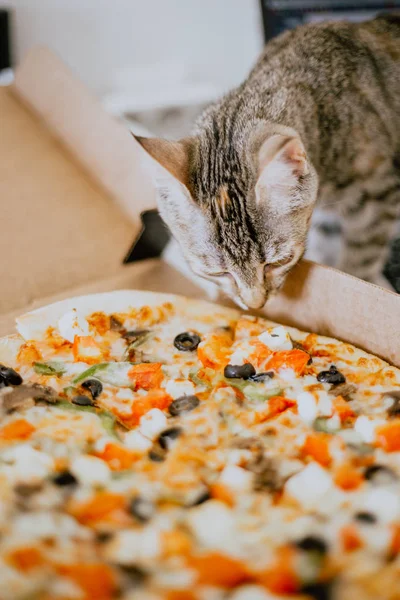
point(318, 119)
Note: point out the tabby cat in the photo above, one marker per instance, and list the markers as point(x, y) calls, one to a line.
point(317, 120)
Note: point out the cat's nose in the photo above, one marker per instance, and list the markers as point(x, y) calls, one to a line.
point(253, 297)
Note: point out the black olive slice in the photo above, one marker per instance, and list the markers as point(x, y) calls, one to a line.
point(312, 543)
point(259, 377)
point(94, 386)
point(239, 371)
point(187, 341)
point(332, 376)
point(82, 401)
point(365, 517)
point(380, 475)
point(9, 376)
point(167, 437)
point(65, 478)
point(182, 405)
point(203, 497)
point(141, 509)
point(157, 454)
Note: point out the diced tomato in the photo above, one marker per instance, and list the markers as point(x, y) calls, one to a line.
point(216, 569)
point(100, 322)
point(347, 477)
point(17, 430)
point(85, 349)
point(154, 399)
point(147, 376)
point(117, 457)
point(28, 354)
point(278, 404)
point(180, 595)
point(176, 543)
point(214, 350)
point(281, 577)
point(388, 436)
point(100, 507)
point(291, 359)
point(219, 491)
point(97, 580)
point(260, 354)
point(317, 446)
point(350, 538)
point(25, 559)
point(55, 340)
point(395, 542)
point(342, 409)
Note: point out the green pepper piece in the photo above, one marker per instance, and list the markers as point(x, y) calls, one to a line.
point(49, 368)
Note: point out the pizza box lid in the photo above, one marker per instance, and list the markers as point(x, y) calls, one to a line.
point(73, 189)
point(70, 186)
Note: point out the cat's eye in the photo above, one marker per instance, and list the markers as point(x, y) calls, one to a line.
point(279, 263)
point(221, 274)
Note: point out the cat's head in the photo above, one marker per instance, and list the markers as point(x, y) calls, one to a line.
point(240, 213)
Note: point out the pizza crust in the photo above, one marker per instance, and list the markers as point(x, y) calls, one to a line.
point(33, 325)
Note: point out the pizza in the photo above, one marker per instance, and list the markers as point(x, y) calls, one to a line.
point(155, 447)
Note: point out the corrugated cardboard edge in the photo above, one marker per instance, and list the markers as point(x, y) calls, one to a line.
point(103, 146)
point(326, 301)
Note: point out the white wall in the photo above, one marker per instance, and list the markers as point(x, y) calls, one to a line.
point(219, 39)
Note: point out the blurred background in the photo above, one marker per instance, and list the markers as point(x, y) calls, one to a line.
point(155, 64)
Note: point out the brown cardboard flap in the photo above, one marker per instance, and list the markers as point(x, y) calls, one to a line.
point(102, 145)
point(58, 228)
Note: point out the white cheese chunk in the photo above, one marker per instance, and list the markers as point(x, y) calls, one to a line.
point(213, 524)
point(308, 486)
point(241, 354)
point(176, 388)
point(287, 374)
point(152, 423)
point(90, 470)
point(135, 440)
point(65, 588)
point(131, 546)
point(27, 464)
point(72, 323)
point(44, 524)
point(118, 348)
point(307, 407)
point(384, 503)
point(125, 394)
point(325, 406)
point(366, 428)
point(236, 478)
point(276, 339)
point(252, 592)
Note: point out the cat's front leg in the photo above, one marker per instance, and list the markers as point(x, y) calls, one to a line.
point(369, 225)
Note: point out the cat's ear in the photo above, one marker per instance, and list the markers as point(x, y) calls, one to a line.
point(172, 156)
point(282, 163)
point(168, 167)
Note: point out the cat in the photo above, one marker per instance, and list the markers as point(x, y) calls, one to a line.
point(316, 121)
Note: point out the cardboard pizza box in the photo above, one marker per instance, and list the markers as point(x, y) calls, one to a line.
point(72, 189)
